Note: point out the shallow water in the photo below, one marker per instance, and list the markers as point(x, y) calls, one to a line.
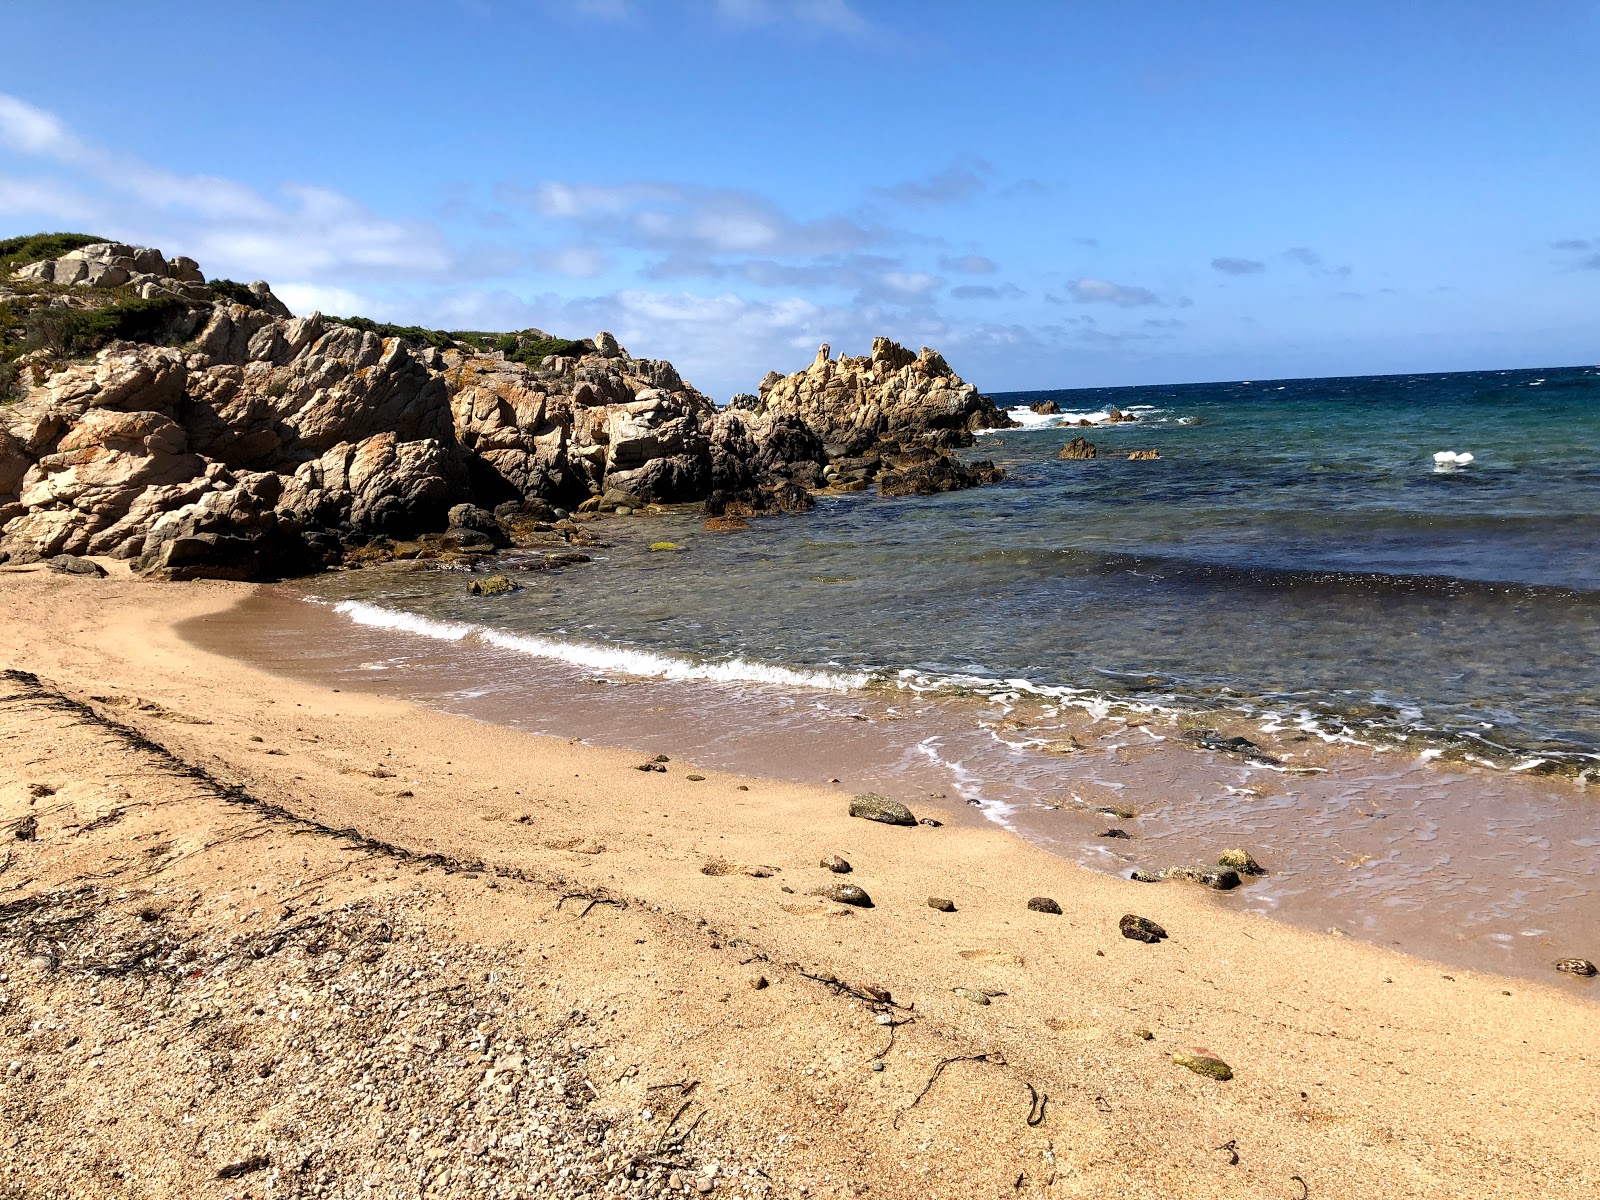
point(1294, 552)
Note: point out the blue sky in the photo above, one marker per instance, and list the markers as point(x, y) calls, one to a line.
point(1055, 195)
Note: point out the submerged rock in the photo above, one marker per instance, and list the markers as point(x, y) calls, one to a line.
point(495, 585)
point(1576, 966)
point(1143, 455)
point(1210, 739)
point(872, 807)
point(1044, 904)
point(1202, 1062)
point(1241, 861)
point(1138, 875)
point(1141, 929)
point(1220, 880)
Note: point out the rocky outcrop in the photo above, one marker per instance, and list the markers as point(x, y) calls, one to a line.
point(1080, 448)
point(144, 271)
point(852, 404)
point(925, 472)
point(254, 443)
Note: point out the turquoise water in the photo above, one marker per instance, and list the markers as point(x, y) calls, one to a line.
point(1295, 553)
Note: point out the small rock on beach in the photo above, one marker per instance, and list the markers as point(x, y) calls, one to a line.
point(836, 864)
point(872, 807)
point(845, 893)
point(940, 903)
point(1202, 1062)
point(1141, 929)
point(1044, 904)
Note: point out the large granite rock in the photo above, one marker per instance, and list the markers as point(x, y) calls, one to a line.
point(852, 403)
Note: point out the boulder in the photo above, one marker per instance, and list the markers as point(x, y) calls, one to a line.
point(72, 564)
point(1079, 448)
point(471, 518)
point(234, 533)
point(854, 402)
point(935, 473)
point(1045, 408)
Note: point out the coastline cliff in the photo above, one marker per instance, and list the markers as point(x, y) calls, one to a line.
point(201, 429)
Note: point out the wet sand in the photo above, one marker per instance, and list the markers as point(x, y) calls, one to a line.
point(1478, 868)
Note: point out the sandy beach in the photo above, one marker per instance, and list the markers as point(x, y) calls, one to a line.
point(267, 938)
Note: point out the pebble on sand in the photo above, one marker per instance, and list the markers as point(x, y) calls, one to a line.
point(836, 864)
point(1044, 904)
point(940, 903)
point(1141, 929)
point(1202, 1062)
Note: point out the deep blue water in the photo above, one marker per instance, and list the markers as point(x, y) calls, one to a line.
point(1294, 551)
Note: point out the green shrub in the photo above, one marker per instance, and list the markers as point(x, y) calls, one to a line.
point(233, 290)
point(535, 350)
point(513, 345)
point(73, 332)
point(20, 251)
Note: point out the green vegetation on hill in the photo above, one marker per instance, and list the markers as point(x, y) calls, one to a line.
point(518, 347)
point(74, 332)
point(20, 251)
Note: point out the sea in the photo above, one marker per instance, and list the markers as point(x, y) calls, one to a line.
point(1391, 581)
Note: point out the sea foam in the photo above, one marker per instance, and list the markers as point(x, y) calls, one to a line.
point(604, 659)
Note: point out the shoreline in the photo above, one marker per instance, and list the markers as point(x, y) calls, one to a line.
point(1476, 869)
point(1356, 1069)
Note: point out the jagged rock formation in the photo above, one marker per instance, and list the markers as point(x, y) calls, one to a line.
point(141, 269)
point(256, 444)
point(852, 404)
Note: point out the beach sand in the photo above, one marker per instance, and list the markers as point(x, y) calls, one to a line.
point(375, 901)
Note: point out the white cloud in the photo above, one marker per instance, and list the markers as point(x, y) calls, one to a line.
point(305, 231)
point(307, 298)
point(912, 283)
point(1102, 291)
point(687, 219)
